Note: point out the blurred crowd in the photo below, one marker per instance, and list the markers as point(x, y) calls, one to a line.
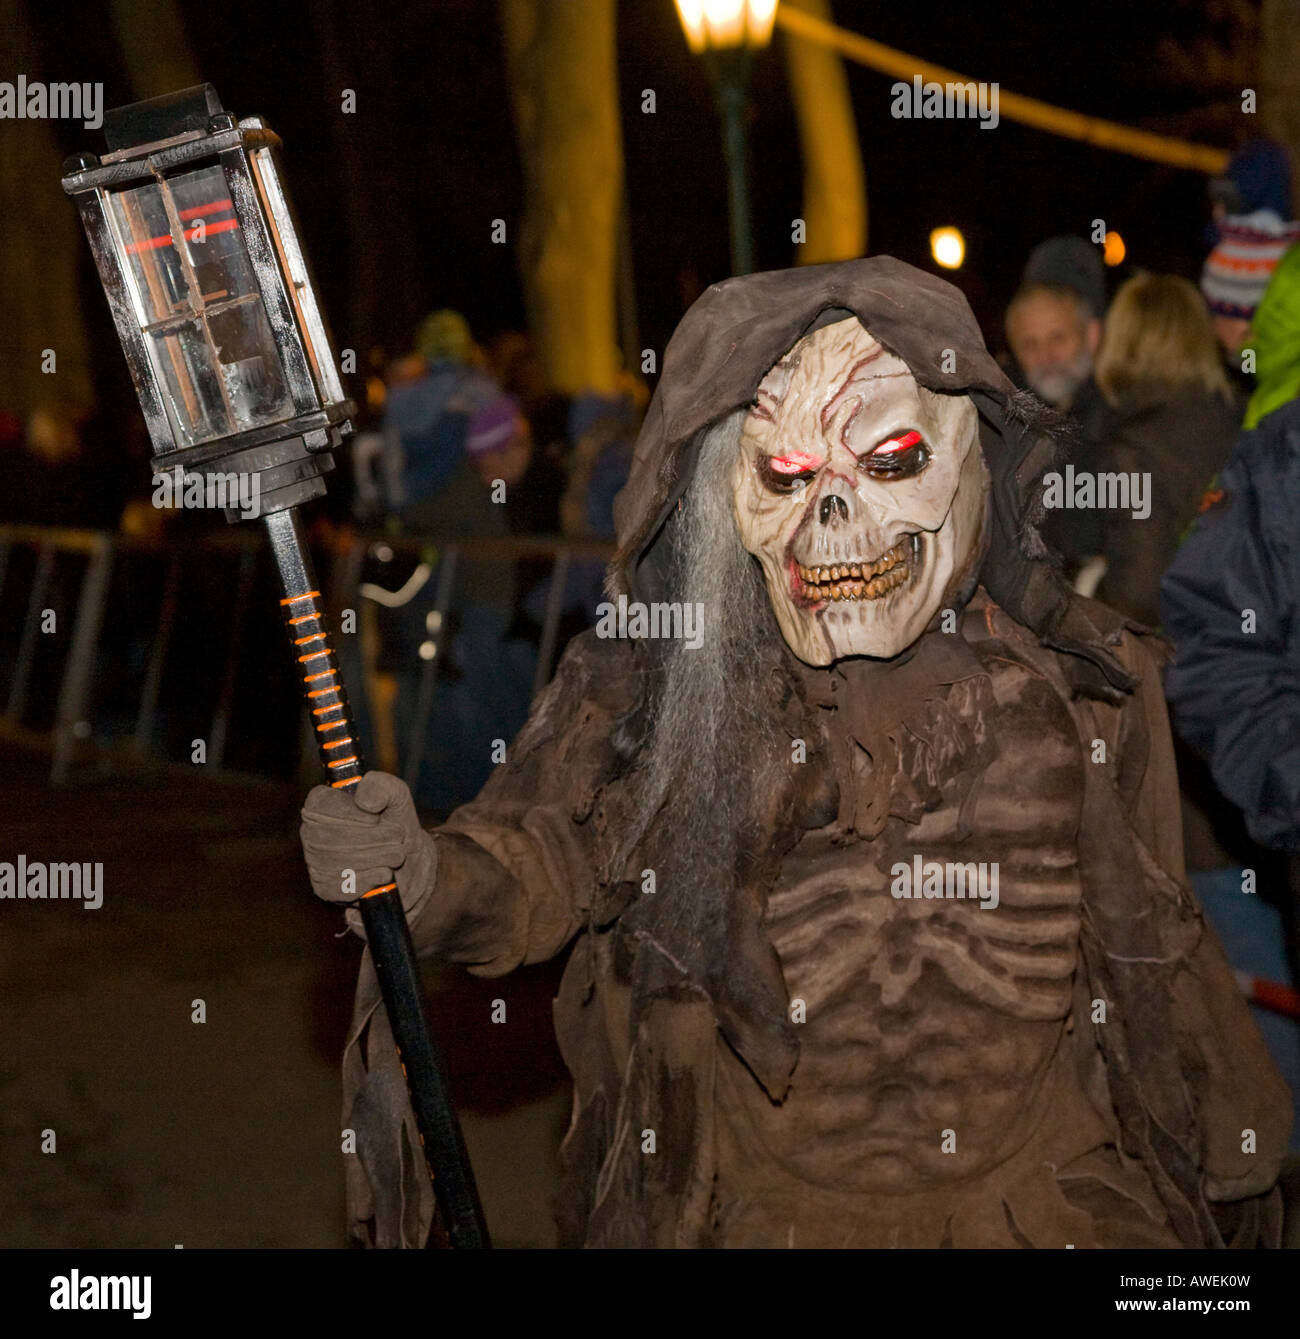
point(1192, 388)
point(465, 442)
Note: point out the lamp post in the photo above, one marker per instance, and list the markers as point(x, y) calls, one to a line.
point(725, 34)
point(196, 247)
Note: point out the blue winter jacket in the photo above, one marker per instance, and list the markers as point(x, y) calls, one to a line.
point(1231, 603)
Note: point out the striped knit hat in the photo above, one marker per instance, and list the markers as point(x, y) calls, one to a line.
point(1242, 263)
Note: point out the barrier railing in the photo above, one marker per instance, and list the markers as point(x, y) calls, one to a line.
point(70, 734)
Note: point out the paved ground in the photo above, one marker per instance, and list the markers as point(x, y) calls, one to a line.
point(224, 1133)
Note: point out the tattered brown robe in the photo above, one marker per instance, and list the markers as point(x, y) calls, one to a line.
point(1175, 1077)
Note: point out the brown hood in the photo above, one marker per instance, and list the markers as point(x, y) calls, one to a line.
point(734, 333)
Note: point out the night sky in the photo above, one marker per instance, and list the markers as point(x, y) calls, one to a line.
point(435, 138)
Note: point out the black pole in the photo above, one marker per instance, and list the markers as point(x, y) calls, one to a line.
point(387, 932)
point(730, 71)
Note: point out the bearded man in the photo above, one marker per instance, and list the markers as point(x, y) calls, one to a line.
point(1053, 327)
point(876, 885)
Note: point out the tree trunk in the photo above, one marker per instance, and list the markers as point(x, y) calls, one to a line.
point(834, 189)
point(40, 257)
point(1280, 79)
point(560, 61)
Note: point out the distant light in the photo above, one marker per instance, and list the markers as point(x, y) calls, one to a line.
point(719, 24)
point(948, 247)
point(428, 650)
point(760, 21)
point(1115, 250)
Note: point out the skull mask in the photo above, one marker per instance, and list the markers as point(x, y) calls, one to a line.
point(861, 493)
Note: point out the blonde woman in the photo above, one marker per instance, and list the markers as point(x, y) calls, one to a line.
point(1175, 417)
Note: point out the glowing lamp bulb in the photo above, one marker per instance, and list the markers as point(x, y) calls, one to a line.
point(948, 247)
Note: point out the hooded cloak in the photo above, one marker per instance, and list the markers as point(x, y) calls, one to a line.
point(539, 858)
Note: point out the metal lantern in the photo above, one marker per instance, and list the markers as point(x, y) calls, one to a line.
point(191, 229)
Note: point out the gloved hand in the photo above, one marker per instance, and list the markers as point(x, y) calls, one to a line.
point(373, 830)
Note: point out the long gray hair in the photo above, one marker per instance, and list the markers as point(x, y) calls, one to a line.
point(713, 740)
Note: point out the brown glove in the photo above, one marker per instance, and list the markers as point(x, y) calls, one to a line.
point(372, 832)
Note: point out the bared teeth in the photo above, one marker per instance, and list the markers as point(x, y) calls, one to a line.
point(858, 581)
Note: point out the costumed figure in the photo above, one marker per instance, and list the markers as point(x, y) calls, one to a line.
point(874, 885)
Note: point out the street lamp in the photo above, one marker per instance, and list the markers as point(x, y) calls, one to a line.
point(725, 34)
point(196, 247)
point(948, 247)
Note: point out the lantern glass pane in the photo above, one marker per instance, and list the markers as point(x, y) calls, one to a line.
point(249, 364)
point(157, 279)
point(294, 266)
point(187, 368)
point(200, 306)
point(214, 244)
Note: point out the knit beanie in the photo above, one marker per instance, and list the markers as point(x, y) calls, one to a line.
point(1242, 263)
point(444, 334)
point(1069, 262)
point(1258, 177)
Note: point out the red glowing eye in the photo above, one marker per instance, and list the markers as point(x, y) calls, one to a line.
point(896, 444)
point(794, 462)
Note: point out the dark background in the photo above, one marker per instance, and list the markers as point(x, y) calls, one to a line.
point(397, 199)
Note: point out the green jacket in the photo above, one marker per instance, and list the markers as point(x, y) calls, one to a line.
point(1275, 339)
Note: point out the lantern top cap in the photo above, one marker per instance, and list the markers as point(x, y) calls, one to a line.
point(156, 119)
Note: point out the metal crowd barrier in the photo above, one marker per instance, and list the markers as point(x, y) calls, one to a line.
point(71, 734)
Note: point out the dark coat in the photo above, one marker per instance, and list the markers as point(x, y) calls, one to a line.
point(1079, 535)
point(1180, 439)
point(1231, 602)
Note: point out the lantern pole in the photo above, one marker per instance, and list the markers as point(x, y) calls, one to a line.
point(287, 449)
point(387, 933)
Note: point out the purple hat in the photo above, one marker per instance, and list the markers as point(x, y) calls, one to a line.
point(493, 426)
